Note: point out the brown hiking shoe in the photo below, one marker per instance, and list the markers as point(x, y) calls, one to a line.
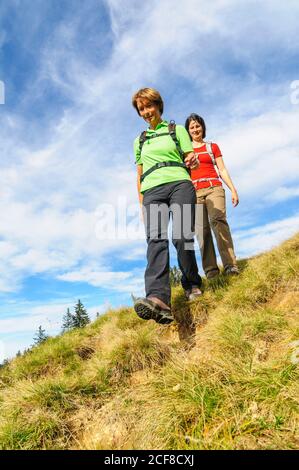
point(212, 274)
point(193, 294)
point(232, 270)
point(147, 309)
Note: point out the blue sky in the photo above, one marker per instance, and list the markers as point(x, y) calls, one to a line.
point(67, 125)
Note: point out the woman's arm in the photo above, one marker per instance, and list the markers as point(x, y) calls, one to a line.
point(224, 175)
point(191, 160)
point(139, 173)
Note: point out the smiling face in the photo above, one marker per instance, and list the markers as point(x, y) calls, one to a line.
point(149, 111)
point(196, 131)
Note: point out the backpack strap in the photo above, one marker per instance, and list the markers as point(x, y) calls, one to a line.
point(210, 152)
point(172, 133)
point(142, 139)
point(161, 165)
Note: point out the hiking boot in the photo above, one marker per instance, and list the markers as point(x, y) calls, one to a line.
point(232, 270)
point(193, 294)
point(212, 274)
point(147, 309)
point(164, 317)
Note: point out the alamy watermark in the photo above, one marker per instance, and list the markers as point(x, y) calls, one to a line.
point(123, 221)
point(119, 221)
point(294, 97)
point(2, 92)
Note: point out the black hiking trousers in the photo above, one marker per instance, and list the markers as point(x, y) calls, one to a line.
point(159, 203)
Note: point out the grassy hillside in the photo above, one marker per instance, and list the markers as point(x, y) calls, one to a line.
point(223, 376)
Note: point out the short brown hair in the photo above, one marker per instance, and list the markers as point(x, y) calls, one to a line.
point(150, 94)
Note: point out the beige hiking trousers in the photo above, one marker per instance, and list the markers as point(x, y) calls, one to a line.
point(211, 212)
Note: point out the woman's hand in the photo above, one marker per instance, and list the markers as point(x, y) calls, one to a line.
point(235, 198)
point(227, 179)
point(191, 160)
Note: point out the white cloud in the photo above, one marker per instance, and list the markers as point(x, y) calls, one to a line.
point(265, 237)
point(283, 193)
point(263, 153)
point(95, 278)
point(28, 316)
point(117, 281)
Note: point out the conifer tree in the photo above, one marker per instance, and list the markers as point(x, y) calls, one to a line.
point(68, 321)
point(81, 318)
point(40, 336)
point(4, 363)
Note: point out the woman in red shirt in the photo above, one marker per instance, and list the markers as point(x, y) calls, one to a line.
point(211, 210)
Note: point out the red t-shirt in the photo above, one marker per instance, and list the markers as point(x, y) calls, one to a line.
point(206, 168)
